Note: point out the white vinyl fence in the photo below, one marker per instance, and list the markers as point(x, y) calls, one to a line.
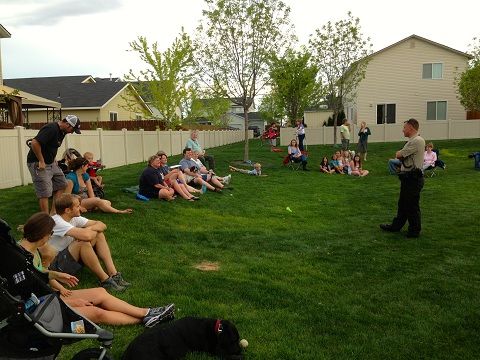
point(114, 148)
point(429, 130)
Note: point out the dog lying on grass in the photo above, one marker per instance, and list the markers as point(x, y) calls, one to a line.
point(190, 334)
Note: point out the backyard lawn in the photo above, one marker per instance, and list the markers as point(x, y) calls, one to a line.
point(304, 270)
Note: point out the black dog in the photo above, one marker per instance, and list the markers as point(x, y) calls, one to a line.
point(173, 341)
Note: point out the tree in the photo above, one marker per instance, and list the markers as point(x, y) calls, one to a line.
point(341, 55)
point(166, 82)
point(469, 81)
point(235, 41)
point(270, 110)
point(294, 84)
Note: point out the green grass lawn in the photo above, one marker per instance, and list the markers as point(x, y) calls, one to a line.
point(319, 282)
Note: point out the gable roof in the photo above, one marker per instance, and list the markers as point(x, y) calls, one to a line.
point(4, 32)
point(72, 91)
point(425, 40)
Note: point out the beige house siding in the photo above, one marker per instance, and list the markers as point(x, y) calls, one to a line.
point(394, 76)
point(117, 104)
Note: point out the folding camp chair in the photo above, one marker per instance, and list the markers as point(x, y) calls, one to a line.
point(439, 164)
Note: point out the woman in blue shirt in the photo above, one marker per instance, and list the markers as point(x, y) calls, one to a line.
point(78, 183)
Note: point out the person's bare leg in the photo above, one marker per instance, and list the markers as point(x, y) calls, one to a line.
point(103, 205)
point(179, 189)
point(103, 252)
point(216, 182)
point(202, 182)
point(48, 253)
point(107, 308)
point(56, 195)
point(83, 250)
point(43, 202)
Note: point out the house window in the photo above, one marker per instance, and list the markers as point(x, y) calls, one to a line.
point(436, 110)
point(432, 71)
point(386, 113)
point(113, 116)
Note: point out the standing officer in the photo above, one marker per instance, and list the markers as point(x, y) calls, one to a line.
point(48, 178)
point(411, 179)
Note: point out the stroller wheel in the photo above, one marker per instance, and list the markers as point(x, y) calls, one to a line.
point(91, 354)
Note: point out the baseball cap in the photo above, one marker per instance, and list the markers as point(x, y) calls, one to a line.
point(74, 121)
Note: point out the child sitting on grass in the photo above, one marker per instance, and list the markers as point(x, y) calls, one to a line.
point(257, 170)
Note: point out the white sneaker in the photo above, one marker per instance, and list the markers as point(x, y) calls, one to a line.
point(227, 179)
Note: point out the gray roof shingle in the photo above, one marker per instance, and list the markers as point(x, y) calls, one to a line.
point(69, 90)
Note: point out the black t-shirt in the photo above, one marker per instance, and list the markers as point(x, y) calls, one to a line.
point(50, 138)
point(149, 178)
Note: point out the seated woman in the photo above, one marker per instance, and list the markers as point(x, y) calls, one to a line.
point(79, 183)
point(429, 157)
point(325, 166)
point(356, 166)
point(152, 184)
point(175, 179)
point(96, 304)
point(296, 155)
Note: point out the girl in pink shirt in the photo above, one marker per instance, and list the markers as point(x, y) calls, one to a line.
point(429, 157)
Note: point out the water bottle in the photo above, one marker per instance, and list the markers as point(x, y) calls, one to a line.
point(31, 303)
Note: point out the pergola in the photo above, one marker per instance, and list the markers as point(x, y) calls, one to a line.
point(16, 103)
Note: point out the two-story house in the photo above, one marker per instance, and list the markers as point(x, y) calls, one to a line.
point(414, 77)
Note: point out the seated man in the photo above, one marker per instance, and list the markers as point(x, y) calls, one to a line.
point(191, 171)
point(209, 175)
point(193, 144)
point(76, 240)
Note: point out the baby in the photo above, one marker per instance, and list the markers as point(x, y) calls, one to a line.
point(93, 166)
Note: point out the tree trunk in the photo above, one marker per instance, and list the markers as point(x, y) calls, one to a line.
point(335, 117)
point(245, 153)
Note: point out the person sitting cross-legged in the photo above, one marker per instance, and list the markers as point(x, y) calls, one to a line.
point(77, 240)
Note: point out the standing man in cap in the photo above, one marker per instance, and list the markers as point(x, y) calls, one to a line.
point(48, 178)
point(411, 180)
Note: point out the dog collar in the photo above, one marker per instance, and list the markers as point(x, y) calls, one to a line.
point(218, 327)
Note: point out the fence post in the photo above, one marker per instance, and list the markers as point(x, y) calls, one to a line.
point(384, 132)
point(449, 129)
point(21, 153)
point(158, 139)
point(142, 138)
point(125, 146)
point(171, 141)
point(100, 143)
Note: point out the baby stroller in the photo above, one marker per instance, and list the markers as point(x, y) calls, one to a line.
point(38, 331)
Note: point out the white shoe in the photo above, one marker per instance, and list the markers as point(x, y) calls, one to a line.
point(227, 179)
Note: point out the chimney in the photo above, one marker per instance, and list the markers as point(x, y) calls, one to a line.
point(110, 76)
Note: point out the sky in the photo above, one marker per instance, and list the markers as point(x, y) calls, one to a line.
point(91, 37)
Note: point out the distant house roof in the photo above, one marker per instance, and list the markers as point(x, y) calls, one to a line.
point(254, 115)
point(4, 32)
point(71, 91)
point(425, 40)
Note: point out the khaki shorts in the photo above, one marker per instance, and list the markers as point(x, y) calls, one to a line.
point(48, 181)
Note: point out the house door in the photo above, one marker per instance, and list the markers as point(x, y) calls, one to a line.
point(386, 113)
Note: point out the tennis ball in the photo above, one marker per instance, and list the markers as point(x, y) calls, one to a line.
point(243, 343)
